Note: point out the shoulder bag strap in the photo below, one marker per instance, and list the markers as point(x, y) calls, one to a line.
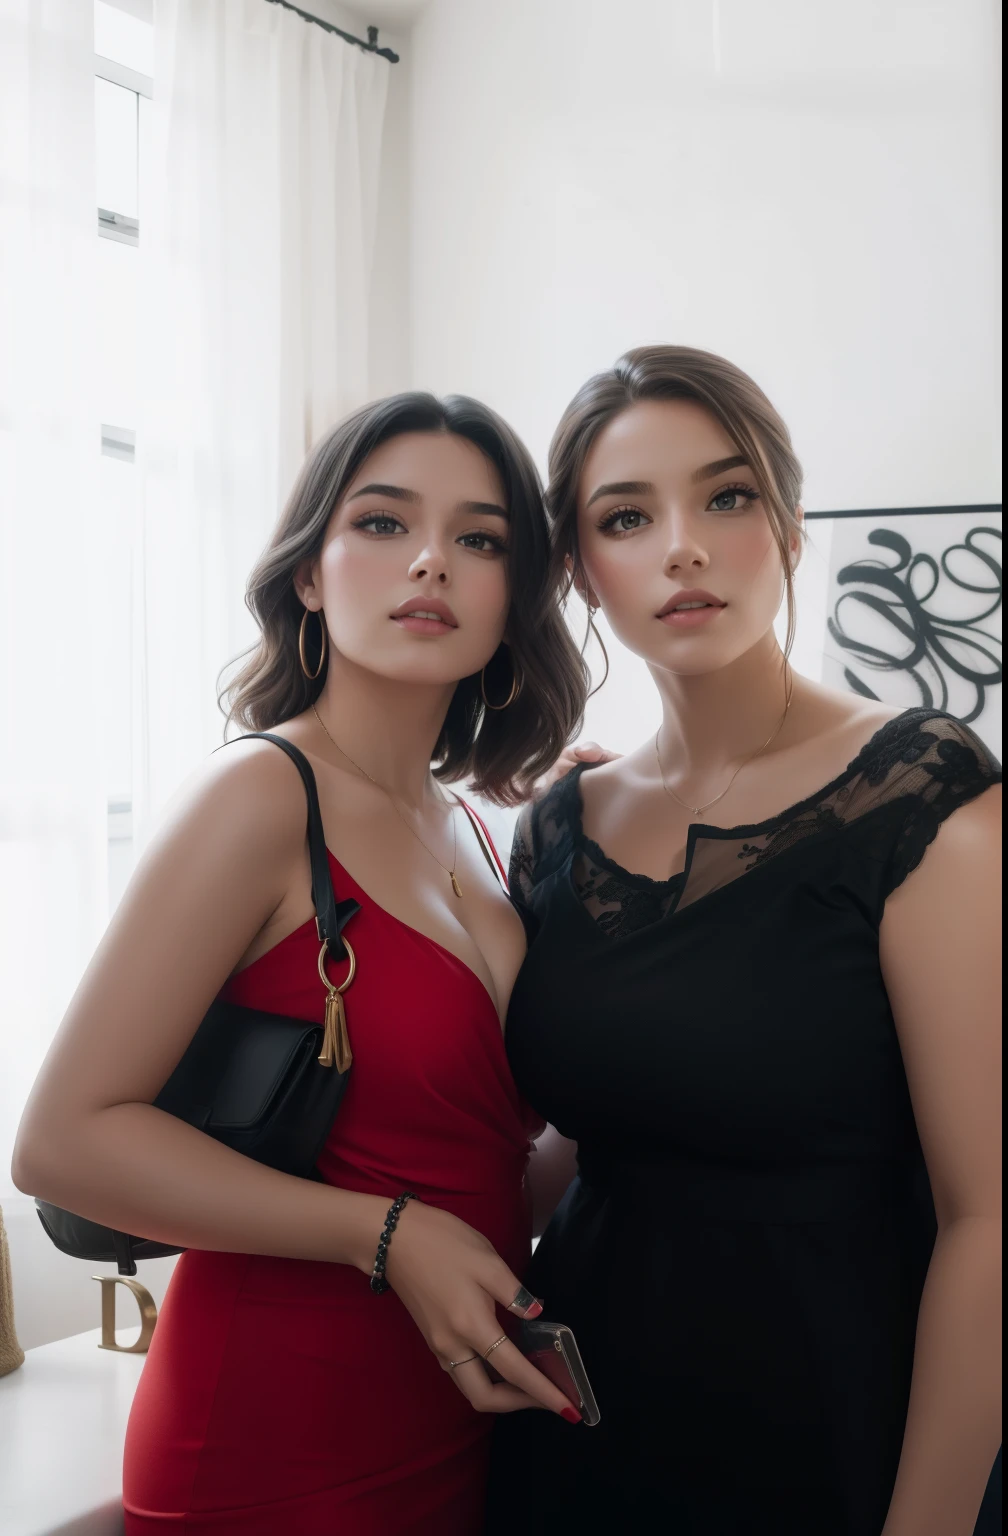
point(331, 916)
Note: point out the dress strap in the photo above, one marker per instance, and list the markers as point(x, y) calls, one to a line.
point(486, 844)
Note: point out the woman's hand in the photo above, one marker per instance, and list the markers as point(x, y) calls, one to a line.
point(582, 752)
point(450, 1280)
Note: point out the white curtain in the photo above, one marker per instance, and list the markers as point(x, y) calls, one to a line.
point(54, 595)
point(257, 214)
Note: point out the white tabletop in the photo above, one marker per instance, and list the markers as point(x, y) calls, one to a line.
point(62, 1426)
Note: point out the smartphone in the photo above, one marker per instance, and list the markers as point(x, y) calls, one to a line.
point(551, 1349)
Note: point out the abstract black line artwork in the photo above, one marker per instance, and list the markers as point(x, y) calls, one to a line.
point(914, 612)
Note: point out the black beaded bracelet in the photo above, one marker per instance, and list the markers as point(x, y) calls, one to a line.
point(379, 1284)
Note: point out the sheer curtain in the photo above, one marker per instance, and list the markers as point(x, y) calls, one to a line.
point(257, 207)
point(54, 592)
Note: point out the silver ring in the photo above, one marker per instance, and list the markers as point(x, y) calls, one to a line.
point(523, 1300)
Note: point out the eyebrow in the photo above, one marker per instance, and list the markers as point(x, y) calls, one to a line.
point(393, 492)
point(718, 467)
point(400, 493)
point(484, 509)
point(621, 488)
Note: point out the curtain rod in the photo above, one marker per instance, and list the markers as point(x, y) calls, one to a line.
point(371, 46)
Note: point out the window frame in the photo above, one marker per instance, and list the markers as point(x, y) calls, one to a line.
point(119, 441)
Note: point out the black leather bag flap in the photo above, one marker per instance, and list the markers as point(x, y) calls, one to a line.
point(257, 1073)
point(237, 1068)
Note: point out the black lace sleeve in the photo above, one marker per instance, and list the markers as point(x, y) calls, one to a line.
point(521, 872)
point(542, 844)
point(933, 765)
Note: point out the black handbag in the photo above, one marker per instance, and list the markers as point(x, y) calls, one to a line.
point(265, 1085)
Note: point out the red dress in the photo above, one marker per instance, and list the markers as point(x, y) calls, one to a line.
point(281, 1396)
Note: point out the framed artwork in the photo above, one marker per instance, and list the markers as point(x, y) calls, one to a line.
point(913, 608)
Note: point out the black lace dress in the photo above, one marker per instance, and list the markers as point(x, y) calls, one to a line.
point(742, 1254)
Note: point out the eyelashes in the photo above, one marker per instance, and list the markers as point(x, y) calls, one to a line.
point(383, 525)
point(621, 521)
point(618, 515)
point(368, 523)
point(497, 544)
point(745, 491)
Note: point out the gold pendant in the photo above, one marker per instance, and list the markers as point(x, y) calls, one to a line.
point(455, 885)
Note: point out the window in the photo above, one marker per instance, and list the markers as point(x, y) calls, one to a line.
point(124, 62)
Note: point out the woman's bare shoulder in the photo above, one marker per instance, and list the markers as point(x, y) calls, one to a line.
point(844, 721)
point(602, 784)
point(247, 794)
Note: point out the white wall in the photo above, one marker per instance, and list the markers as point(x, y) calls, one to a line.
point(807, 188)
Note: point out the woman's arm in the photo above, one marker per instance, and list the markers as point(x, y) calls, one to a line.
point(940, 953)
point(92, 1141)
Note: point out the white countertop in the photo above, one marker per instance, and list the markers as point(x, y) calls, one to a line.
point(62, 1426)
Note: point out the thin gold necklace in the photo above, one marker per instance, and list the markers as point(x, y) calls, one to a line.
point(698, 810)
point(391, 798)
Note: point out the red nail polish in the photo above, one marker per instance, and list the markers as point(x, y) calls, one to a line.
point(534, 1310)
point(571, 1414)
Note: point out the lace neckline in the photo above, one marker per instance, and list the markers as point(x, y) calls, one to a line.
point(571, 786)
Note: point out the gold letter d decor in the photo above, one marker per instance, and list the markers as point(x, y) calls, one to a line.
point(148, 1314)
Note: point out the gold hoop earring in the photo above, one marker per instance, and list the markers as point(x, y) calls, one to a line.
point(601, 643)
point(517, 682)
point(311, 676)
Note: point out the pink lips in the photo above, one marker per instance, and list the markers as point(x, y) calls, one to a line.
point(425, 616)
point(678, 617)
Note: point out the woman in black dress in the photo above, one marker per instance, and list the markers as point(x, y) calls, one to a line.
point(761, 1005)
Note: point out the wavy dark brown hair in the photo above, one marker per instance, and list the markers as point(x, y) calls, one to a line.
point(500, 752)
point(677, 373)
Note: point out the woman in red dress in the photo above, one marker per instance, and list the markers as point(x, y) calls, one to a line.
point(407, 620)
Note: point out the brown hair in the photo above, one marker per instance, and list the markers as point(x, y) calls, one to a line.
point(678, 373)
point(499, 751)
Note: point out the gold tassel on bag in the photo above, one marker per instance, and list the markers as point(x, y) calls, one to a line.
point(11, 1353)
point(335, 1039)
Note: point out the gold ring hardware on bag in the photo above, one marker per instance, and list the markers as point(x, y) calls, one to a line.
point(335, 1040)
